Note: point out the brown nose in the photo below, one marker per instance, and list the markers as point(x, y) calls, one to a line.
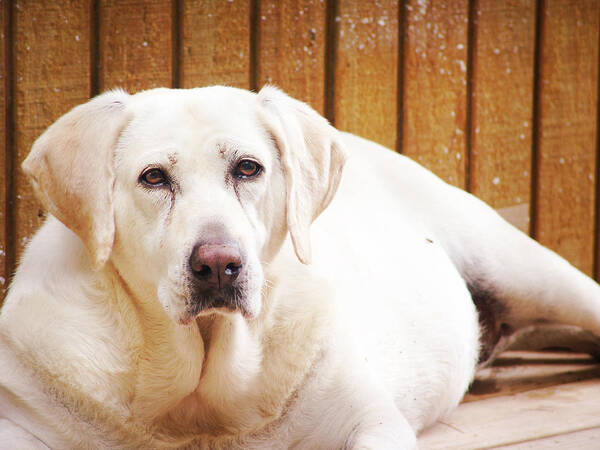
point(216, 265)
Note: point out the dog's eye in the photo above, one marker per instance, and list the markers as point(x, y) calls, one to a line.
point(247, 168)
point(154, 177)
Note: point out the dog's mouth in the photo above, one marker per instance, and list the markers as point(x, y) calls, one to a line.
point(194, 296)
point(230, 300)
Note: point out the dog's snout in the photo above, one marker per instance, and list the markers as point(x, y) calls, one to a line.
point(216, 265)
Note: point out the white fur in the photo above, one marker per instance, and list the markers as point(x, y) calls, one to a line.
point(374, 340)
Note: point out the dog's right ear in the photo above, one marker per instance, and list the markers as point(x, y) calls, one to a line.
point(312, 158)
point(71, 169)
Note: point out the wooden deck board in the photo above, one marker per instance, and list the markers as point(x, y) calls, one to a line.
point(580, 440)
point(526, 400)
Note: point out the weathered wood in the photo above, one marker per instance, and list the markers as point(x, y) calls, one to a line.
point(4, 67)
point(135, 47)
point(52, 74)
point(435, 86)
point(580, 440)
point(567, 129)
point(512, 419)
point(502, 106)
point(366, 70)
point(291, 51)
point(521, 371)
point(215, 43)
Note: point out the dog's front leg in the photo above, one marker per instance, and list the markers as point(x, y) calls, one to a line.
point(350, 409)
point(375, 424)
point(381, 429)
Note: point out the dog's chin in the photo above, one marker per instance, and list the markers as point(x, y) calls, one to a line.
point(247, 306)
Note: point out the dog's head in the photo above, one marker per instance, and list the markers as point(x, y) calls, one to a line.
point(189, 193)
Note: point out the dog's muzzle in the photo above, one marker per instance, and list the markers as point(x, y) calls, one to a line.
point(218, 280)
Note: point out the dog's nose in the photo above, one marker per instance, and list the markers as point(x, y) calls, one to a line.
point(216, 265)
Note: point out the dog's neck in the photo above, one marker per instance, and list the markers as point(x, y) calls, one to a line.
point(169, 356)
point(188, 376)
point(237, 394)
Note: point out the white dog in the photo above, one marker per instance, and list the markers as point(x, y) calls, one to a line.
point(180, 295)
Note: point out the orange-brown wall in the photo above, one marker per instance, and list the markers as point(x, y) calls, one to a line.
point(496, 96)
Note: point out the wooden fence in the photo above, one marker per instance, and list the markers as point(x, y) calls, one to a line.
point(498, 97)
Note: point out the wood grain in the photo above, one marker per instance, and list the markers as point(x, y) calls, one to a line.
point(138, 48)
point(435, 86)
point(366, 70)
point(502, 102)
point(215, 41)
point(580, 440)
point(135, 48)
point(508, 420)
point(4, 66)
point(52, 74)
point(567, 130)
point(522, 371)
point(291, 48)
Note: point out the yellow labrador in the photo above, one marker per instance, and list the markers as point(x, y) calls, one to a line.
point(207, 278)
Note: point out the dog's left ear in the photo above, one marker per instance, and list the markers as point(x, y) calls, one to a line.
point(312, 158)
point(71, 169)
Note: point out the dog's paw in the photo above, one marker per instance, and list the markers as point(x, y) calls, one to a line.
point(381, 437)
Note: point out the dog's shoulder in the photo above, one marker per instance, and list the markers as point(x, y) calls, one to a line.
point(56, 318)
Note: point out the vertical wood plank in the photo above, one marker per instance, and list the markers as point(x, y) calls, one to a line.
point(52, 74)
point(566, 126)
point(435, 86)
point(3, 149)
point(215, 43)
point(135, 48)
point(292, 48)
point(366, 69)
point(502, 102)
